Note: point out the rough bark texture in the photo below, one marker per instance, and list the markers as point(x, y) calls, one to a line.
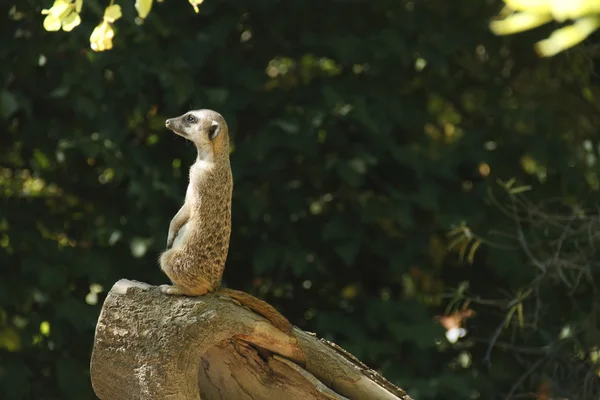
point(149, 345)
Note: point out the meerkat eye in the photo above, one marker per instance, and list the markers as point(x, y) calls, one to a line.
point(190, 118)
point(214, 130)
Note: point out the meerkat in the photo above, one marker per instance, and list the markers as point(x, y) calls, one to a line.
point(198, 238)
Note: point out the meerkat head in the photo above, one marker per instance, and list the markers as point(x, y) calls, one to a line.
point(207, 129)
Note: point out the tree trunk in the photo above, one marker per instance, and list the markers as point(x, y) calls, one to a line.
point(149, 345)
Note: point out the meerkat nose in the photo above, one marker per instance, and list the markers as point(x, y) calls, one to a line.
point(167, 122)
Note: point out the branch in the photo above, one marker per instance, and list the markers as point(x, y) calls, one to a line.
point(149, 345)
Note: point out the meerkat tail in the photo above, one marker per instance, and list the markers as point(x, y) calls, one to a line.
point(260, 307)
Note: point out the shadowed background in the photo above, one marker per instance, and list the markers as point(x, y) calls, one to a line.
point(362, 133)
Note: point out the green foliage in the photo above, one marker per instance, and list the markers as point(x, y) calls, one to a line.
point(363, 132)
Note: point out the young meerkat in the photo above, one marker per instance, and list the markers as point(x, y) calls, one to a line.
point(198, 238)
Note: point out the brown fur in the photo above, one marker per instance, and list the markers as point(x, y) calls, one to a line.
point(199, 233)
point(198, 240)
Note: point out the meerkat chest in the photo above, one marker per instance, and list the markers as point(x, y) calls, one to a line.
point(191, 195)
point(199, 174)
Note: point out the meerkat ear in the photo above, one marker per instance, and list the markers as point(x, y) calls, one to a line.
point(214, 130)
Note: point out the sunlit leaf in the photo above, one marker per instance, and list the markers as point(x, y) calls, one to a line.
point(573, 9)
point(540, 6)
point(101, 38)
point(143, 7)
point(42, 159)
point(112, 13)
point(519, 22)
point(71, 21)
point(59, 9)
point(561, 10)
point(471, 255)
point(567, 37)
point(51, 23)
point(520, 189)
point(462, 250)
point(456, 241)
point(520, 317)
point(195, 4)
point(509, 316)
point(533, 13)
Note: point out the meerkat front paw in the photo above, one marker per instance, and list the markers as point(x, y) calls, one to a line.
point(171, 289)
point(171, 239)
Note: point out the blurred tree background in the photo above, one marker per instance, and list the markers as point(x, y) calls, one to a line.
point(400, 172)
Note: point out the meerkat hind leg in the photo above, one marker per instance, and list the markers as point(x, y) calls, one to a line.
point(177, 290)
point(172, 289)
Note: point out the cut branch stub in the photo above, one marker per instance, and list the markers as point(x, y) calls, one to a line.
point(149, 345)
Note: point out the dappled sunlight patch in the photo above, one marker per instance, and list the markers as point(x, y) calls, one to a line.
point(288, 72)
point(422, 285)
point(447, 129)
point(10, 339)
point(532, 167)
point(139, 246)
point(92, 297)
point(22, 183)
point(484, 169)
point(45, 328)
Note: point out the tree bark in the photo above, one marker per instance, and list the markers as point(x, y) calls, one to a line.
point(149, 345)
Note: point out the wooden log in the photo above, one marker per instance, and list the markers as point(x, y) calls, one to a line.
point(149, 345)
